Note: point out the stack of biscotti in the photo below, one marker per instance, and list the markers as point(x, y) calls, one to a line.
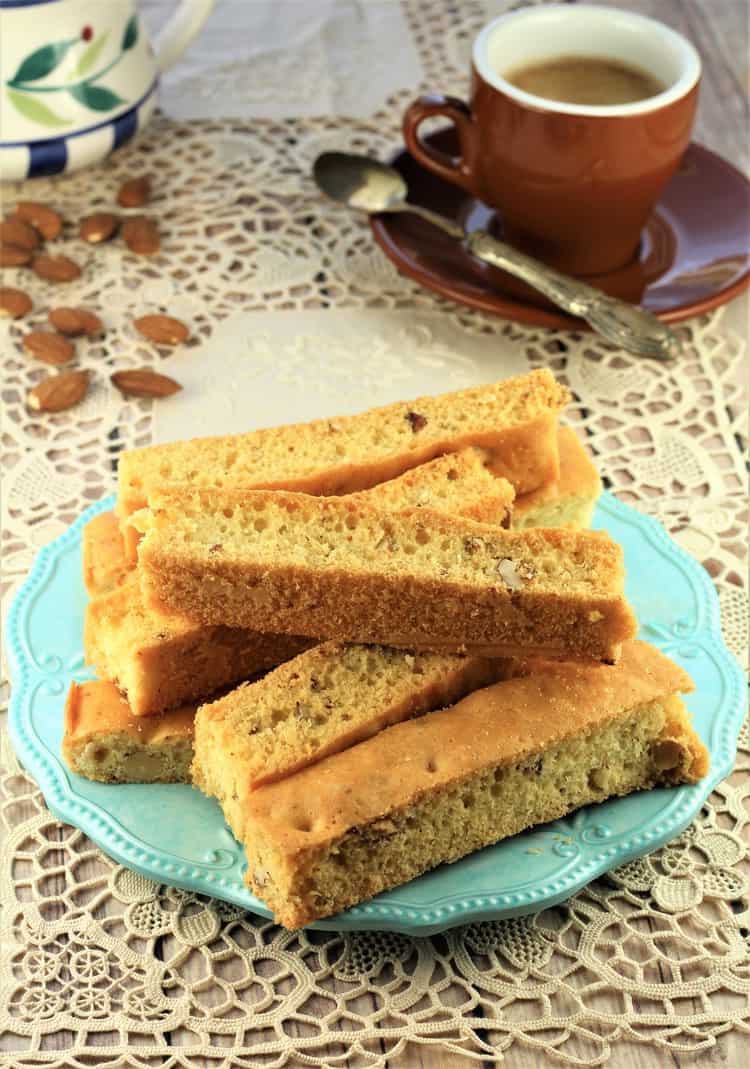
point(415, 583)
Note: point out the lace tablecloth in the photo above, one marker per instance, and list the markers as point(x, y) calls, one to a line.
point(99, 966)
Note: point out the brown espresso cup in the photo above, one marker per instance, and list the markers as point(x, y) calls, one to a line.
point(573, 184)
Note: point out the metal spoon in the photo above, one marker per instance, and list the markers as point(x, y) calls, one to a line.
point(370, 186)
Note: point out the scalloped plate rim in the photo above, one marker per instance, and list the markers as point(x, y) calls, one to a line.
point(104, 829)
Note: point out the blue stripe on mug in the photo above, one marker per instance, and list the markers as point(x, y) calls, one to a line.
point(124, 127)
point(47, 157)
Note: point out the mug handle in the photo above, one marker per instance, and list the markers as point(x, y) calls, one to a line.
point(173, 39)
point(459, 170)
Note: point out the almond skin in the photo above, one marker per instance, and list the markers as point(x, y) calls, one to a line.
point(17, 232)
point(161, 329)
point(13, 255)
point(101, 226)
point(134, 192)
point(14, 303)
point(144, 383)
point(55, 268)
point(45, 219)
point(49, 347)
point(75, 321)
point(58, 392)
point(141, 235)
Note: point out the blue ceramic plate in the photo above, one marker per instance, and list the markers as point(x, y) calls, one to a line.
point(174, 835)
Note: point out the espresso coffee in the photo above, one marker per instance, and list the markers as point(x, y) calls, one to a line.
point(590, 80)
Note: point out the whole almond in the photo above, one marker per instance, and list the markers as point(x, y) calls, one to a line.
point(58, 392)
point(49, 347)
point(46, 220)
point(164, 330)
point(101, 226)
point(134, 192)
point(55, 268)
point(141, 235)
point(144, 383)
point(14, 303)
point(75, 321)
point(13, 255)
point(17, 232)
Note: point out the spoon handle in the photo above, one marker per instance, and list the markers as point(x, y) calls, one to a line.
point(626, 325)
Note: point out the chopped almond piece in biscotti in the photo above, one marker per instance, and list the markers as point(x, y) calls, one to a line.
point(105, 564)
point(433, 789)
point(104, 741)
point(570, 500)
point(162, 659)
point(340, 569)
point(322, 701)
point(514, 422)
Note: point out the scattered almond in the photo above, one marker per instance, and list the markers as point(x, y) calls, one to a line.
point(75, 321)
point(58, 392)
point(13, 255)
point(141, 235)
point(17, 232)
point(144, 383)
point(45, 219)
point(134, 192)
point(14, 303)
point(164, 330)
point(49, 347)
point(55, 268)
point(101, 226)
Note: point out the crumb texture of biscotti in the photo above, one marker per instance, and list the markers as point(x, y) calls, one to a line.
point(338, 569)
point(431, 790)
point(161, 659)
point(105, 564)
point(103, 741)
point(570, 500)
point(323, 701)
point(513, 421)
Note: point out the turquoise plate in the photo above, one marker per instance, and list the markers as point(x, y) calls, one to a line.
point(174, 835)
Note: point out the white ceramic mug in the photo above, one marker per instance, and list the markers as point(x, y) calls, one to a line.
point(78, 79)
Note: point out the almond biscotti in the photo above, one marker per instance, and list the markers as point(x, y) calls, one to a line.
point(334, 568)
point(104, 741)
point(325, 700)
point(514, 422)
point(431, 790)
point(161, 659)
point(570, 500)
point(105, 564)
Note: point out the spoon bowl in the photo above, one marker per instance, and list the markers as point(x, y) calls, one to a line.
point(360, 182)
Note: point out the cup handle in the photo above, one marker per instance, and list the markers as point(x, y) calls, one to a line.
point(456, 169)
point(173, 39)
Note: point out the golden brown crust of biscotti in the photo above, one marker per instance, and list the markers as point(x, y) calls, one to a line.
point(105, 563)
point(433, 789)
point(338, 569)
point(571, 499)
point(102, 739)
point(514, 422)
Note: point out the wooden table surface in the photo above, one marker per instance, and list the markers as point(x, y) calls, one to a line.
point(719, 30)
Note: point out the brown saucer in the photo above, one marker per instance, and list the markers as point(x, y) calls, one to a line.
point(694, 252)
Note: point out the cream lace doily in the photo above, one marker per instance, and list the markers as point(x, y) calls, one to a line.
point(100, 966)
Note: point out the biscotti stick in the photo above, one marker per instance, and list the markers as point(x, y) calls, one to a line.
point(104, 741)
point(322, 701)
point(570, 500)
point(338, 569)
point(105, 564)
point(162, 659)
point(434, 789)
point(514, 422)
